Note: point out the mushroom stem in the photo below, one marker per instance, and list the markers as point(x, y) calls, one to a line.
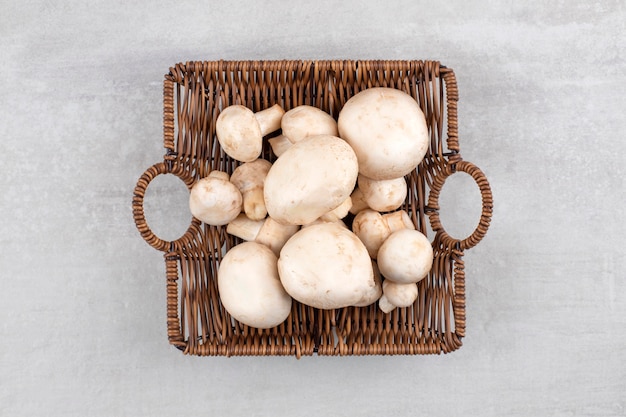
point(269, 119)
point(267, 232)
point(279, 144)
point(274, 235)
point(244, 228)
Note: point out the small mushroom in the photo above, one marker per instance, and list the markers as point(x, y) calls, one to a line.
point(240, 131)
point(326, 266)
point(214, 199)
point(301, 122)
point(304, 121)
point(313, 177)
point(387, 130)
point(250, 288)
point(397, 295)
point(267, 231)
point(406, 256)
point(383, 195)
point(249, 178)
point(373, 228)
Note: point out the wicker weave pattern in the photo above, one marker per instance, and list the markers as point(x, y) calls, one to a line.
point(194, 94)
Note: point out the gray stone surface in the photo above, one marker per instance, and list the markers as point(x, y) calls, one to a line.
point(82, 318)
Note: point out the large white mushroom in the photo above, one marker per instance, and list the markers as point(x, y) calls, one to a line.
point(214, 199)
point(250, 288)
point(405, 257)
point(313, 177)
point(387, 130)
point(240, 131)
point(326, 266)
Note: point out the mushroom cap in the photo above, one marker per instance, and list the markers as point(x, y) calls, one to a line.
point(215, 200)
point(400, 295)
point(387, 130)
point(313, 177)
point(383, 195)
point(304, 121)
point(326, 266)
point(239, 133)
point(406, 256)
point(250, 288)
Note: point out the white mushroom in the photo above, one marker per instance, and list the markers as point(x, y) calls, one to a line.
point(310, 179)
point(304, 121)
point(249, 286)
point(214, 199)
point(301, 122)
point(397, 295)
point(406, 256)
point(240, 131)
point(387, 130)
point(267, 231)
point(373, 228)
point(326, 266)
point(383, 195)
point(249, 178)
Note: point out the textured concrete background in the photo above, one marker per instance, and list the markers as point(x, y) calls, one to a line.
point(82, 317)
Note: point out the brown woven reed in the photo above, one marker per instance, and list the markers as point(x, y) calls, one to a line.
point(193, 95)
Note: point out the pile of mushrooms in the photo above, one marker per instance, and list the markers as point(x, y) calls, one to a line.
point(323, 224)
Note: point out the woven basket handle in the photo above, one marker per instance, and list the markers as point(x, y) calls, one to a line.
point(487, 205)
point(150, 174)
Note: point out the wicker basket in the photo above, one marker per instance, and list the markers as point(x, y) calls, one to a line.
point(194, 93)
